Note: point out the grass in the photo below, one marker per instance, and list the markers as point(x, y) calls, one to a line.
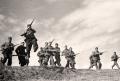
point(35, 73)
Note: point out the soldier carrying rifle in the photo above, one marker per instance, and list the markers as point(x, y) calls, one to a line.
point(30, 39)
point(70, 57)
point(115, 58)
point(21, 53)
point(7, 50)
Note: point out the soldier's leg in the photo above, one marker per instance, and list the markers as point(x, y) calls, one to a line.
point(4, 59)
point(51, 60)
point(117, 65)
point(58, 61)
point(35, 45)
point(113, 65)
point(9, 60)
point(99, 64)
point(28, 47)
point(95, 64)
point(67, 64)
point(57, 57)
point(46, 59)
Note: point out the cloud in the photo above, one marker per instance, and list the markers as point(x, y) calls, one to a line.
point(94, 24)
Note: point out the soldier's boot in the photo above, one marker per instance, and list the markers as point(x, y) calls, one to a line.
point(9, 61)
point(67, 65)
point(73, 66)
point(99, 66)
point(117, 65)
point(113, 65)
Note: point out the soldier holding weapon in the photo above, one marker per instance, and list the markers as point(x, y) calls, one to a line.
point(30, 39)
point(7, 50)
point(115, 58)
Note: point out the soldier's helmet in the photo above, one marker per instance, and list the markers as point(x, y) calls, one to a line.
point(9, 37)
point(28, 25)
point(70, 48)
point(114, 52)
point(96, 47)
point(65, 46)
point(56, 43)
point(46, 43)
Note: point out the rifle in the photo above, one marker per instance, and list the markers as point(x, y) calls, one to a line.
point(52, 41)
point(73, 55)
point(77, 54)
point(13, 46)
point(102, 52)
point(31, 22)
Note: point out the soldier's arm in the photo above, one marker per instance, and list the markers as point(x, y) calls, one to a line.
point(24, 34)
point(3, 46)
point(33, 31)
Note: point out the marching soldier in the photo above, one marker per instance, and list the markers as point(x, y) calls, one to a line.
point(41, 55)
point(57, 55)
point(71, 58)
point(115, 58)
point(47, 55)
point(97, 54)
point(7, 49)
point(51, 53)
point(93, 61)
point(30, 39)
point(20, 50)
point(66, 54)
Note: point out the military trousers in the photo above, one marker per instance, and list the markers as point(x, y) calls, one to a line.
point(7, 57)
point(29, 44)
point(115, 64)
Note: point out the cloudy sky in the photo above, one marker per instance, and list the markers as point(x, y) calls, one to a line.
point(81, 24)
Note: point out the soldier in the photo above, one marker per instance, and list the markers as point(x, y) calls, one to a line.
point(20, 50)
point(57, 55)
point(93, 61)
point(7, 49)
point(71, 58)
point(51, 53)
point(2, 68)
point(30, 39)
point(47, 55)
point(115, 58)
point(66, 54)
point(97, 54)
point(41, 55)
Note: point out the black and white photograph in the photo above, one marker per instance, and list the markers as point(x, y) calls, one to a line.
point(59, 40)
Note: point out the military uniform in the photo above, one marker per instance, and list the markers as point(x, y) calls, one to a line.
point(50, 52)
point(41, 55)
point(115, 59)
point(47, 55)
point(71, 59)
point(20, 50)
point(7, 49)
point(30, 40)
point(66, 54)
point(97, 54)
point(57, 56)
point(93, 61)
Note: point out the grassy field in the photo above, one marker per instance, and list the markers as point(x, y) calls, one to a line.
point(35, 73)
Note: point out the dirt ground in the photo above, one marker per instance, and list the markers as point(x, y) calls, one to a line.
point(36, 73)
